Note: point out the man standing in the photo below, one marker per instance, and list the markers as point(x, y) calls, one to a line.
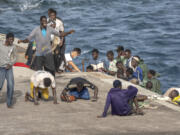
point(7, 60)
point(60, 48)
point(42, 35)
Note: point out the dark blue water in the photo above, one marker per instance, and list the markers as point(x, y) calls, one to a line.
point(151, 28)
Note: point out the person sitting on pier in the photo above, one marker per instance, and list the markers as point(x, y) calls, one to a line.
point(121, 101)
point(89, 68)
point(121, 54)
point(96, 62)
point(128, 57)
point(69, 60)
point(121, 70)
point(77, 89)
point(40, 82)
point(138, 74)
point(112, 69)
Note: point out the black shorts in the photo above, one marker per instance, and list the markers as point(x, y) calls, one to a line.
point(44, 62)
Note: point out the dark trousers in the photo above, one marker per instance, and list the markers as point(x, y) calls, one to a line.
point(8, 75)
point(45, 62)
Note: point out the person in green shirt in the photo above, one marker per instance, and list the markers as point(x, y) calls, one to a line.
point(120, 57)
point(144, 68)
point(156, 85)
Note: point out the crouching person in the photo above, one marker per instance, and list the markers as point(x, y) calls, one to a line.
point(40, 82)
point(121, 101)
point(77, 88)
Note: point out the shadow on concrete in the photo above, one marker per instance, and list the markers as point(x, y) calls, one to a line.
point(17, 93)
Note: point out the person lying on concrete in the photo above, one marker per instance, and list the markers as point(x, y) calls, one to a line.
point(40, 82)
point(42, 37)
point(69, 60)
point(78, 88)
point(8, 56)
point(112, 69)
point(121, 101)
point(174, 95)
point(96, 62)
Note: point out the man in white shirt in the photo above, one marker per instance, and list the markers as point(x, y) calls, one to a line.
point(69, 59)
point(39, 83)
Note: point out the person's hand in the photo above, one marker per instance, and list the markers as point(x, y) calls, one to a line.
point(71, 31)
point(36, 103)
point(19, 41)
point(94, 99)
point(26, 57)
point(100, 116)
point(8, 66)
point(139, 112)
point(55, 101)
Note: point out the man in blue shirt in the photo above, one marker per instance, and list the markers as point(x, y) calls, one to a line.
point(138, 73)
point(120, 100)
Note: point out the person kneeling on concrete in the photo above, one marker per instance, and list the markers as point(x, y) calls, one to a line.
point(40, 82)
point(77, 89)
point(121, 101)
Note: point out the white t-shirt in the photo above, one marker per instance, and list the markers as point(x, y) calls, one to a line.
point(68, 57)
point(38, 77)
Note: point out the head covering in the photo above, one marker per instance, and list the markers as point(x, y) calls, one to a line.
point(116, 83)
point(136, 59)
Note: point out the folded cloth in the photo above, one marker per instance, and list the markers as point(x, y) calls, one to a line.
point(19, 64)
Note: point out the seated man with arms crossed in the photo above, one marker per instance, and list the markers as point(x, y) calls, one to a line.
point(40, 82)
point(77, 89)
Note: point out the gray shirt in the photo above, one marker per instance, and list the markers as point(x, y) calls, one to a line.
point(7, 54)
point(43, 44)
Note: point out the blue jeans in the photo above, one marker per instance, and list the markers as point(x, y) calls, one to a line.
point(84, 94)
point(8, 75)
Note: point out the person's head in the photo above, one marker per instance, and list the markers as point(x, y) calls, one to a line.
point(53, 24)
point(135, 61)
point(49, 11)
point(76, 52)
point(127, 53)
point(120, 73)
point(149, 85)
point(119, 65)
point(95, 54)
point(89, 68)
point(9, 39)
point(173, 94)
point(117, 84)
point(110, 55)
point(129, 72)
point(53, 14)
point(47, 82)
point(80, 86)
point(43, 21)
point(151, 74)
point(120, 50)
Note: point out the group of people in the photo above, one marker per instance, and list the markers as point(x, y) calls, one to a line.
point(125, 66)
point(46, 55)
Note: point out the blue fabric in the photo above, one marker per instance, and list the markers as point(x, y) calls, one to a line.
point(83, 94)
point(139, 73)
point(43, 32)
point(119, 101)
point(8, 75)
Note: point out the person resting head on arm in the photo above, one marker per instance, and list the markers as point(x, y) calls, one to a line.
point(77, 89)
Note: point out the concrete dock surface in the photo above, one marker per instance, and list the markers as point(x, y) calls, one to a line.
point(80, 117)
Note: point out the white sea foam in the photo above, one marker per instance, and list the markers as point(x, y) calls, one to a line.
point(30, 4)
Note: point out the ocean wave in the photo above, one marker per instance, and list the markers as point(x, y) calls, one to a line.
point(30, 4)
